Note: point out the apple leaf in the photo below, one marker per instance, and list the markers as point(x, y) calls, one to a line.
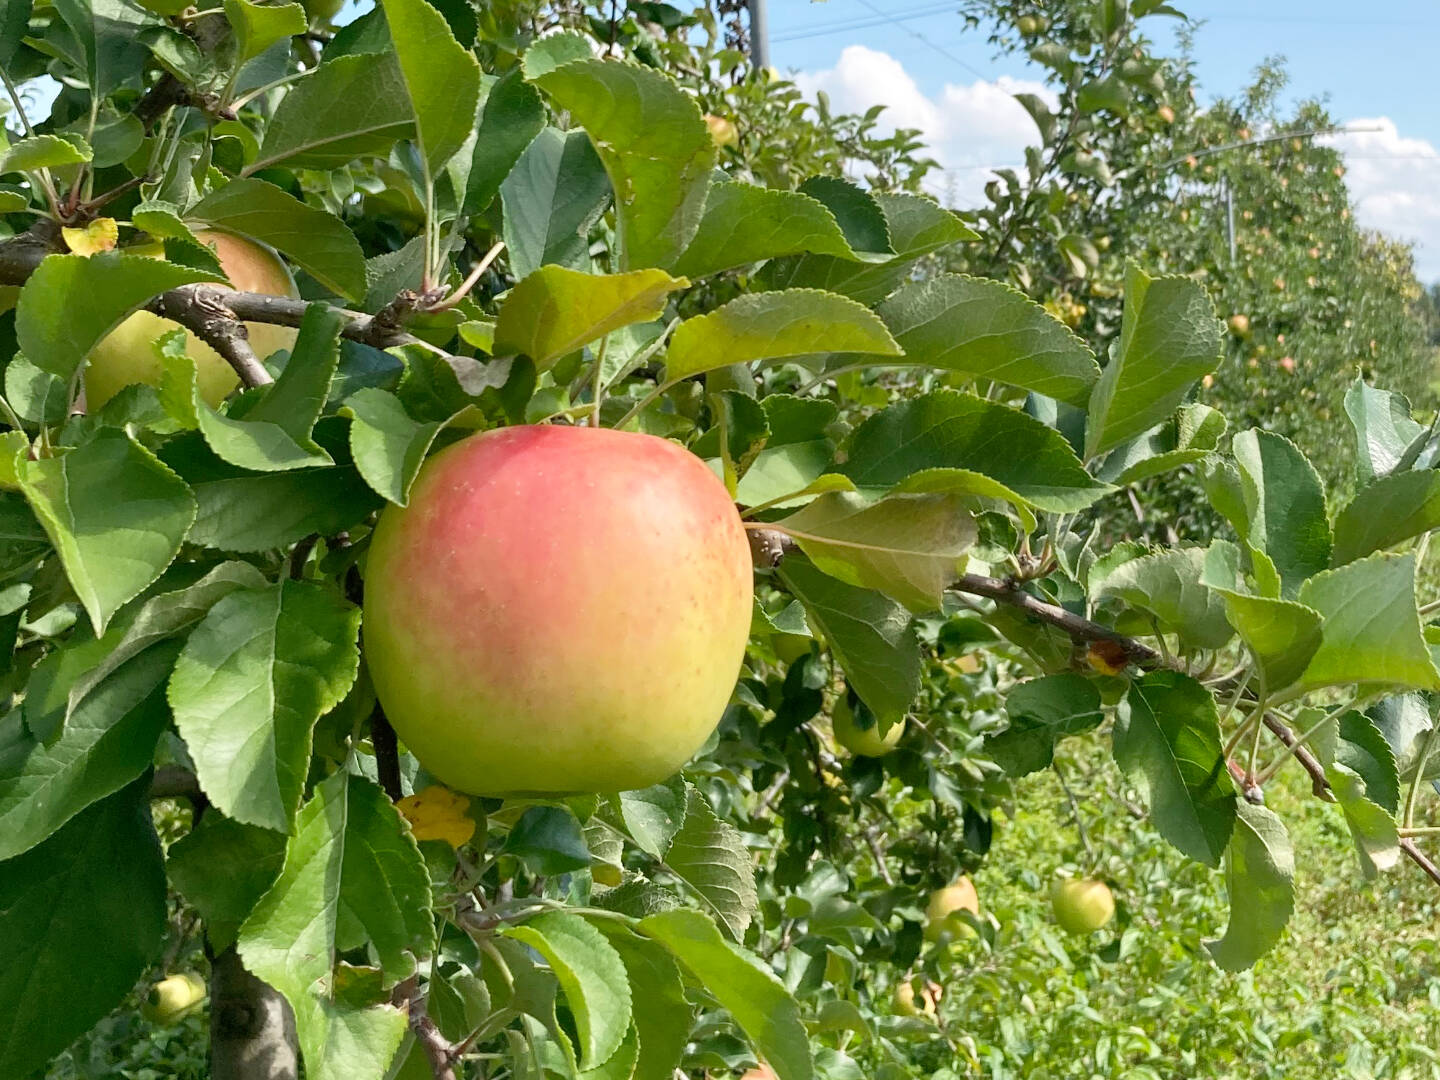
point(44, 152)
point(1282, 635)
point(317, 241)
point(592, 977)
point(749, 991)
point(1191, 436)
point(258, 27)
point(711, 858)
point(655, 146)
point(56, 334)
point(1259, 878)
point(1169, 338)
point(950, 430)
point(511, 114)
point(1284, 514)
point(746, 224)
point(253, 678)
point(1167, 584)
point(1387, 512)
point(768, 326)
point(1041, 712)
point(89, 900)
point(990, 331)
point(555, 311)
point(551, 198)
point(223, 867)
point(116, 515)
point(1384, 429)
point(350, 865)
point(652, 816)
point(389, 447)
point(909, 547)
point(1167, 738)
point(442, 78)
point(664, 1016)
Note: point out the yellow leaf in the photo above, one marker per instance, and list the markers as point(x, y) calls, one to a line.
point(438, 813)
point(100, 235)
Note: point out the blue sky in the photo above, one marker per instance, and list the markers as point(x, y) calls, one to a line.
point(1374, 64)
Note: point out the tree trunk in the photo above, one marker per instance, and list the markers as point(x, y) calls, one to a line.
point(252, 1030)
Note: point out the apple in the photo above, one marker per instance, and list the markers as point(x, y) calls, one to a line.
point(1288, 363)
point(722, 131)
point(558, 610)
point(127, 354)
point(941, 913)
point(847, 718)
point(173, 998)
point(912, 1002)
point(322, 11)
point(1240, 325)
point(790, 647)
point(760, 1072)
point(1166, 113)
point(1082, 905)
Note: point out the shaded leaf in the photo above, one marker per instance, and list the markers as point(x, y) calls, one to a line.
point(1259, 869)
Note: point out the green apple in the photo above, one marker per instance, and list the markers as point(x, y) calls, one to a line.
point(1240, 325)
point(127, 354)
point(173, 998)
point(790, 647)
point(722, 131)
point(558, 609)
point(942, 918)
point(322, 11)
point(857, 730)
point(1082, 905)
point(912, 1002)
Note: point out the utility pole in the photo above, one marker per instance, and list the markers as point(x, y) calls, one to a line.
point(759, 35)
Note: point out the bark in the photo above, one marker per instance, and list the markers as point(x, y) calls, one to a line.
point(252, 1031)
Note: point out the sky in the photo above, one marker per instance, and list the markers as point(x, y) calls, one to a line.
point(1373, 71)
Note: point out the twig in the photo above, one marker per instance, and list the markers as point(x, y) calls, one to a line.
point(1318, 782)
point(205, 311)
point(469, 282)
point(879, 857)
point(387, 754)
point(1420, 859)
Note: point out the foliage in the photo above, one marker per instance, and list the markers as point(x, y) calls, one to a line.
point(491, 225)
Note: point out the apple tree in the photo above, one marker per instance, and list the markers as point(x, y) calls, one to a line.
point(593, 634)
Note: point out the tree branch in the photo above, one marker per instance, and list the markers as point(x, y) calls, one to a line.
point(204, 311)
point(1420, 859)
point(252, 1030)
point(387, 754)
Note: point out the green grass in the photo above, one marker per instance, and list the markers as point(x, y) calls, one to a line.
point(1352, 990)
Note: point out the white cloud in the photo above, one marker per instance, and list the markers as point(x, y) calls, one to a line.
point(967, 128)
point(1395, 184)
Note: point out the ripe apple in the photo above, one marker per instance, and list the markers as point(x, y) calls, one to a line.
point(173, 998)
point(127, 355)
point(862, 741)
point(558, 609)
point(722, 131)
point(1082, 905)
point(1166, 113)
point(1288, 363)
point(941, 913)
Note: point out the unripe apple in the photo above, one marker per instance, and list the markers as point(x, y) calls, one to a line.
point(127, 354)
point(1240, 325)
point(941, 913)
point(790, 647)
point(173, 998)
point(1082, 905)
point(1030, 25)
point(862, 741)
point(558, 609)
point(1166, 113)
point(722, 131)
point(912, 1002)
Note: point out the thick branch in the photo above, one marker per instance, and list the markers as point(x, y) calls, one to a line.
point(204, 311)
point(252, 1030)
point(438, 1050)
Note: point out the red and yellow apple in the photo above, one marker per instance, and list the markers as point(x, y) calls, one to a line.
point(862, 741)
point(173, 998)
point(723, 131)
point(942, 914)
point(127, 354)
point(1082, 905)
point(558, 609)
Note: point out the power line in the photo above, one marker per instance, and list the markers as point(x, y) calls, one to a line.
point(927, 42)
point(867, 22)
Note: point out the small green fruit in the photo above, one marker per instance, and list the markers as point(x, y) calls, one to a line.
point(942, 915)
point(1082, 905)
point(173, 998)
point(862, 741)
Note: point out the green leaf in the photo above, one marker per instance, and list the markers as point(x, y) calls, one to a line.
point(14, 25)
point(653, 815)
point(1168, 585)
point(351, 868)
point(1386, 512)
point(105, 744)
point(56, 334)
point(551, 198)
point(768, 326)
point(442, 78)
point(592, 976)
point(253, 678)
point(81, 917)
point(871, 636)
point(1371, 631)
point(655, 146)
point(22, 538)
point(389, 447)
point(1167, 738)
point(161, 220)
point(856, 210)
point(555, 311)
point(550, 840)
point(1282, 635)
point(350, 107)
point(223, 867)
point(44, 152)
point(512, 114)
point(246, 513)
point(1259, 872)
point(950, 430)
point(115, 514)
point(1041, 712)
point(317, 241)
point(909, 547)
point(991, 331)
point(1384, 429)
point(746, 224)
point(796, 453)
point(1372, 827)
point(767, 1015)
point(1169, 339)
point(1190, 437)
point(711, 858)
point(107, 32)
point(258, 27)
point(1284, 506)
point(1357, 744)
point(663, 1018)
